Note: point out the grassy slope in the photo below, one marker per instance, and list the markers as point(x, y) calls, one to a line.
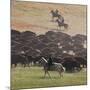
point(33, 78)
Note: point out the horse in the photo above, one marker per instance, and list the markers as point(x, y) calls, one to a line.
point(55, 14)
point(55, 67)
point(60, 24)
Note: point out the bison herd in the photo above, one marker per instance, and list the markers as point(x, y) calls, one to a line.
point(71, 64)
point(27, 48)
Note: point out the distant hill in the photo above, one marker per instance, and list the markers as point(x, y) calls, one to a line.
point(36, 17)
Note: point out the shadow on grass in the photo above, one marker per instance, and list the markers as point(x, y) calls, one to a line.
point(47, 77)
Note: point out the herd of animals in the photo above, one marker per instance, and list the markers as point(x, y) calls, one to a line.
point(71, 64)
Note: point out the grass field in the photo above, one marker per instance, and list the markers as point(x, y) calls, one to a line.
point(33, 78)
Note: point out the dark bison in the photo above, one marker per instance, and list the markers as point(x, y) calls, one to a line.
point(32, 60)
point(71, 64)
point(18, 59)
point(82, 61)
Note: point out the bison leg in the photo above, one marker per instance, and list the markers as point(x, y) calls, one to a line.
point(15, 65)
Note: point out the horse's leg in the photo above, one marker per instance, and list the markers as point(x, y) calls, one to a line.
point(52, 19)
point(45, 74)
point(24, 65)
point(60, 74)
point(29, 65)
point(48, 74)
point(59, 27)
point(15, 65)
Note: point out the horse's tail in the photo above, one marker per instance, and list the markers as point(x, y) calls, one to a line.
point(66, 26)
point(63, 69)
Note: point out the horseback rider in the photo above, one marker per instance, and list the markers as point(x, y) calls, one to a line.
point(61, 18)
point(56, 11)
point(50, 62)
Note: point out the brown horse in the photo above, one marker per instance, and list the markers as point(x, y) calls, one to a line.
point(60, 24)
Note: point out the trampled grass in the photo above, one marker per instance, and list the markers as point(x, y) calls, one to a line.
point(33, 78)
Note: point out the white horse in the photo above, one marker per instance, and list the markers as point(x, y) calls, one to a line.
point(55, 67)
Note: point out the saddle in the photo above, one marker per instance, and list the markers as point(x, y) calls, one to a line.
point(50, 67)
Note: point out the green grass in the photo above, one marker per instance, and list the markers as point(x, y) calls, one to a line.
point(33, 78)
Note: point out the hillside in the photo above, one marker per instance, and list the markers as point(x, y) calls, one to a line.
point(36, 17)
